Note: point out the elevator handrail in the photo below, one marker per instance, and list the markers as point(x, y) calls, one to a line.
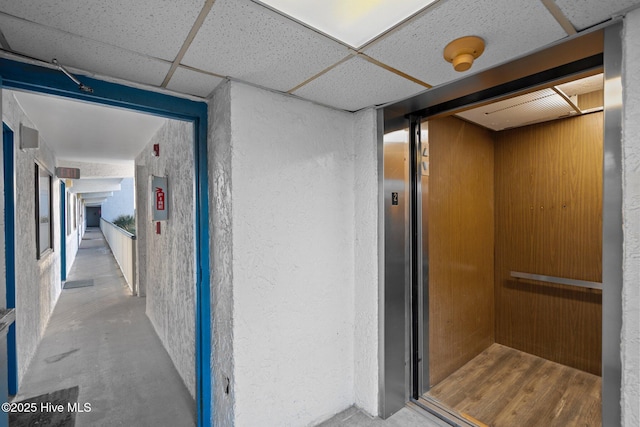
point(559, 280)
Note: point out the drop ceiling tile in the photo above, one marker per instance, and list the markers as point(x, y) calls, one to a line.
point(585, 14)
point(510, 29)
point(193, 82)
point(352, 22)
point(72, 51)
point(153, 27)
point(356, 84)
point(249, 42)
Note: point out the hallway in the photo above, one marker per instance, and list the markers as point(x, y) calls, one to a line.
point(100, 339)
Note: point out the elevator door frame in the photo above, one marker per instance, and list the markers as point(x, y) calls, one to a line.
point(600, 47)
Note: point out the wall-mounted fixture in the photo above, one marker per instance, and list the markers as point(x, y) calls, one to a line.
point(156, 150)
point(159, 200)
point(70, 173)
point(81, 86)
point(29, 137)
point(463, 51)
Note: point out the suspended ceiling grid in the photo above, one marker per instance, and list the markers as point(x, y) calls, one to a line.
point(190, 46)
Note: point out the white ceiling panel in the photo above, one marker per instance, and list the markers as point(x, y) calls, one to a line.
point(88, 132)
point(98, 195)
point(156, 28)
point(249, 42)
point(120, 169)
point(356, 84)
point(87, 186)
point(93, 201)
point(353, 22)
point(192, 82)
point(72, 51)
point(521, 110)
point(510, 28)
point(584, 14)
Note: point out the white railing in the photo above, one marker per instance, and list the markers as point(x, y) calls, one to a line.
point(123, 247)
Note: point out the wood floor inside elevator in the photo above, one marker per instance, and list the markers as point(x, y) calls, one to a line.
point(503, 387)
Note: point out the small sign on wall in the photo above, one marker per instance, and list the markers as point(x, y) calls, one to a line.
point(68, 173)
point(159, 198)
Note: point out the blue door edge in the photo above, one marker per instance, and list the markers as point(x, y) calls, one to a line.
point(41, 79)
point(10, 255)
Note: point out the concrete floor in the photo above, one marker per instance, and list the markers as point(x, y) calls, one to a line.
point(100, 339)
point(406, 417)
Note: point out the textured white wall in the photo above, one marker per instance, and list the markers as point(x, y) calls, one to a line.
point(293, 242)
point(294, 258)
point(37, 281)
point(121, 203)
point(631, 222)
point(366, 262)
point(142, 217)
point(82, 223)
point(221, 255)
point(72, 241)
point(169, 270)
point(284, 237)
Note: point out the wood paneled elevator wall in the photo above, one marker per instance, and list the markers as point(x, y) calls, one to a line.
point(461, 240)
point(548, 185)
point(527, 199)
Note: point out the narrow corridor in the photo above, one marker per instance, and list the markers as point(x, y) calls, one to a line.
point(99, 338)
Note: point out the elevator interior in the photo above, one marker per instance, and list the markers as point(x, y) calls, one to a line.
point(507, 255)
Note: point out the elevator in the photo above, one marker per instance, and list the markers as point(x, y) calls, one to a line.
point(500, 201)
point(511, 245)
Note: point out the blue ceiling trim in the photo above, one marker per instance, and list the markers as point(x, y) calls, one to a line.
point(20, 75)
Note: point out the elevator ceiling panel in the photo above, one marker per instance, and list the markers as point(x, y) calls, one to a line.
point(535, 107)
point(582, 86)
point(585, 14)
point(356, 84)
point(254, 44)
point(154, 28)
point(82, 53)
point(521, 110)
point(510, 28)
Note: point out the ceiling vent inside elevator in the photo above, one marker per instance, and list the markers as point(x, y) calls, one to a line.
point(569, 99)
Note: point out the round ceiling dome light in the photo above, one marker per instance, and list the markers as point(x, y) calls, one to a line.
point(463, 51)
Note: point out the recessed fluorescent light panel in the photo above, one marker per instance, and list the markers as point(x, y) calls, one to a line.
point(354, 22)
